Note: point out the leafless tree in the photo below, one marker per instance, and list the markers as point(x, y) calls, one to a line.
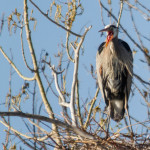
point(81, 124)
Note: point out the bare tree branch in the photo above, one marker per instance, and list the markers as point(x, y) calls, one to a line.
point(139, 10)
point(43, 118)
point(23, 54)
point(75, 74)
point(121, 9)
point(146, 101)
point(91, 109)
point(78, 104)
point(15, 68)
point(53, 20)
point(67, 47)
point(140, 79)
point(37, 76)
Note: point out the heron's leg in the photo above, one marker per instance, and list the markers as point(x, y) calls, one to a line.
point(108, 122)
point(126, 108)
point(107, 105)
point(126, 123)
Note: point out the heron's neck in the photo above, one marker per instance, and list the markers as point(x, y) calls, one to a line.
point(113, 45)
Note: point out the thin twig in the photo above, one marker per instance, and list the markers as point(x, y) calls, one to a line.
point(24, 141)
point(120, 13)
point(16, 131)
point(140, 79)
point(139, 10)
point(55, 73)
point(67, 47)
point(136, 30)
point(91, 108)
point(143, 6)
point(23, 54)
point(147, 121)
point(78, 104)
point(140, 122)
point(102, 14)
point(146, 101)
point(52, 67)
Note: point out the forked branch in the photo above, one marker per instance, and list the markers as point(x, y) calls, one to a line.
point(71, 104)
point(75, 74)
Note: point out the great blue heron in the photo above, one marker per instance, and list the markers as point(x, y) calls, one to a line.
point(114, 66)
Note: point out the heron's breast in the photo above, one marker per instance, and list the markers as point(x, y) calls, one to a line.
point(115, 74)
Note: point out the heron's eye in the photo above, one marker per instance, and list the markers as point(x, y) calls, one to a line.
point(112, 28)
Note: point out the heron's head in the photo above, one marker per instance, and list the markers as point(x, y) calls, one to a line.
point(112, 32)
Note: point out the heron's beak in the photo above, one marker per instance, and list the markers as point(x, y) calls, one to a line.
point(109, 38)
point(103, 30)
point(109, 35)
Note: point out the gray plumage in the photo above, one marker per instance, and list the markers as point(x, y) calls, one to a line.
point(114, 66)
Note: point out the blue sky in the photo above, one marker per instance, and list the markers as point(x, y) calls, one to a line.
point(48, 37)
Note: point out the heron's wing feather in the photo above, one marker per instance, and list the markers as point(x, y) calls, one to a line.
point(99, 70)
point(127, 47)
point(100, 48)
point(126, 56)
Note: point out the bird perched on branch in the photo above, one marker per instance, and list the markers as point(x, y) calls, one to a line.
point(114, 66)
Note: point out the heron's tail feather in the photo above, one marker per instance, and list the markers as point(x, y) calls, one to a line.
point(117, 109)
